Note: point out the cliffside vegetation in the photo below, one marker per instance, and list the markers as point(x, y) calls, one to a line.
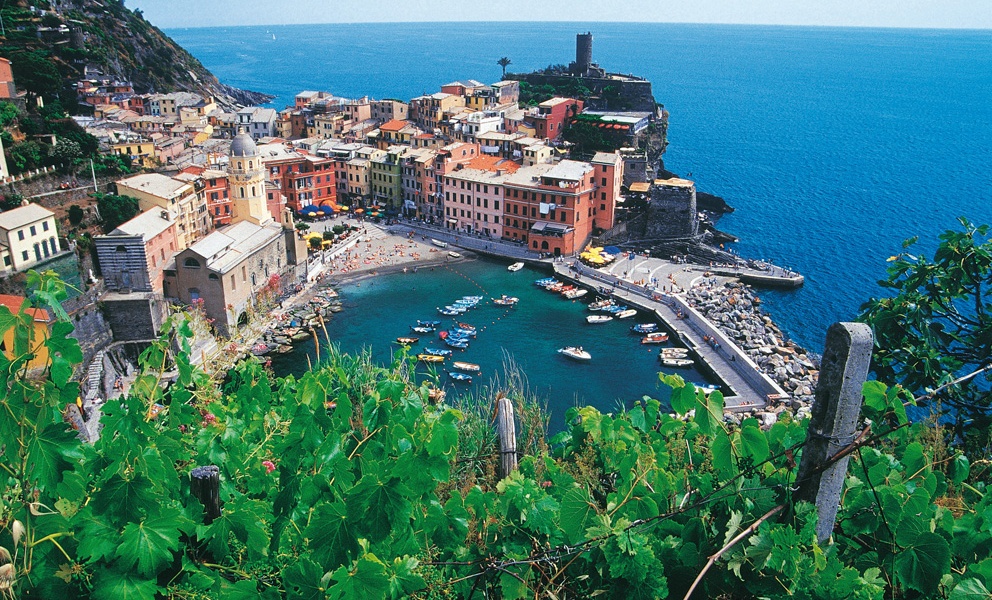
point(51, 43)
point(349, 483)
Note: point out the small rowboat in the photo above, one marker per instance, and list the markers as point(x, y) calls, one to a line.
point(460, 377)
point(600, 304)
point(545, 282)
point(465, 326)
point(594, 319)
point(645, 328)
point(655, 338)
point(427, 323)
point(575, 293)
point(515, 267)
point(676, 362)
point(626, 314)
point(407, 341)
point(674, 353)
point(505, 300)
point(430, 358)
point(454, 254)
point(457, 343)
point(465, 366)
point(419, 329)
point(439, 243)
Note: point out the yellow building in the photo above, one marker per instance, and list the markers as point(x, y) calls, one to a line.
point(142, 154)
point(179, 198)
point(27, 237)
point(37, 337)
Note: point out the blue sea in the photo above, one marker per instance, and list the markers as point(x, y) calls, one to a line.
point(833, 144)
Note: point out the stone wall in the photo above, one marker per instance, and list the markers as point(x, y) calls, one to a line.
point(91, 330)
point(134, 316)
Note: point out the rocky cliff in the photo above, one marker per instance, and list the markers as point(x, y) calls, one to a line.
point(70, 39)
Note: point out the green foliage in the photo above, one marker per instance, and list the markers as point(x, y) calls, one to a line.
point(115, 210)
point(8, 113)
point(34, 71)
point(75, 215)
point(348, 482)
point(936, 325)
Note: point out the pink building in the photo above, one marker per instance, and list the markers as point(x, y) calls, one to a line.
point(550, 116)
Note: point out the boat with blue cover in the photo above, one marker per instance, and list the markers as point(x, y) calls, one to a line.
point(645, 328)
point(437, 351)
point(459, 344)
point(423, 323)
point(546, 281)
point(460, 377)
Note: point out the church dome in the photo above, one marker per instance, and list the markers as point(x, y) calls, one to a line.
point(243, 145)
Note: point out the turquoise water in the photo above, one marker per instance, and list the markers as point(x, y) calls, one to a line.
point(379, 310)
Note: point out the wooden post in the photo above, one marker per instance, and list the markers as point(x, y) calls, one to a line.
point(205, 487)
point(507, 432)
point(836, 406)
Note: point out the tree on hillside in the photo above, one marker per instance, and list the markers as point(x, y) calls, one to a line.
point(36, 73)
point(938, 324)
point(115, 210)
point(504, 62)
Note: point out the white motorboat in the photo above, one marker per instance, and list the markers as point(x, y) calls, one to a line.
point(575, 353)
point(676, 362)
point(594, 319)
point(454, 254)
point(574, 293)
point(674, 353)
point(626, 314)
point(515, 267)
point(439, 243)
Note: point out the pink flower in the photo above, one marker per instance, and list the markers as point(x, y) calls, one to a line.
point(269, 466)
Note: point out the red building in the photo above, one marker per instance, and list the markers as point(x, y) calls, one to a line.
point(214, 186)
point(550, 207)
point(550, 116)
point(7, 89)
point(608, 175)
point(304, 179)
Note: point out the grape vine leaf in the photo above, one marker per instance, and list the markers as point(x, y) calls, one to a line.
point(149, 544)
point(123, 586)
point(402, 578)
point(970, 589)
point(302, 580)
point(575, 512)
point(921, 565)
point(368, 580)
point(330, 535)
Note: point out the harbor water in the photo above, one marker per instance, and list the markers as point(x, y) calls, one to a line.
point(380, 309)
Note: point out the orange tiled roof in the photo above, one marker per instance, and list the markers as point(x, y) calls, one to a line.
point(492, 163)
point(14, 304)
point(394, 125)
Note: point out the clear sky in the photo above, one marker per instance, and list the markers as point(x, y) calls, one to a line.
point(976, 14)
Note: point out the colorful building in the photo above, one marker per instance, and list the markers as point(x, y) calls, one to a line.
point(27, 237)
point(549, 207)
point(154, 190)
point(36, 338)
point(608, 173)
point(134, 255)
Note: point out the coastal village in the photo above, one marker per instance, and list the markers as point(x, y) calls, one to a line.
point(242, 211)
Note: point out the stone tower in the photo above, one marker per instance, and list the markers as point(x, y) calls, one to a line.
point(583, 52)
point(247, 178)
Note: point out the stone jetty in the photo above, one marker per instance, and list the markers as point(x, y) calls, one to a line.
point(736, 311)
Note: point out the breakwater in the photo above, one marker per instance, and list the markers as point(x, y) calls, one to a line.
point(736, 311)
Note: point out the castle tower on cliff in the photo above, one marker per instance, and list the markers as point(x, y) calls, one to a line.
point(247, 176)
point(583, 65)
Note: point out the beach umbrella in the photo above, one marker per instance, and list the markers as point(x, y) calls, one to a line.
point(611, 250)
point(319, 213)
point(359, 210)
point(310, 209)
point(344, 207)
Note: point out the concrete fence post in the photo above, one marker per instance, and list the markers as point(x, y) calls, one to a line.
point(834, 416)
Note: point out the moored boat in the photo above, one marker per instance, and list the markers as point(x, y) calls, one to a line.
point(645, 328)
point(515, 267)
point(430, 358)
point(575, 293)
point(677, 362)
point(459, 344)
point(626, 314)
point(449, 313)
point(505, 300)
point(674, 353)
point(460, 377)
point(601, 304)
point(419, 329)
point(594, 319)
point(407, 341)
point(421, 323)
point(465, 366)
point(465, 326)
point(575, 353)
point(546, 281)
point(454, 254)
point(439, 243)
point(655, 338)
point(437, 351)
